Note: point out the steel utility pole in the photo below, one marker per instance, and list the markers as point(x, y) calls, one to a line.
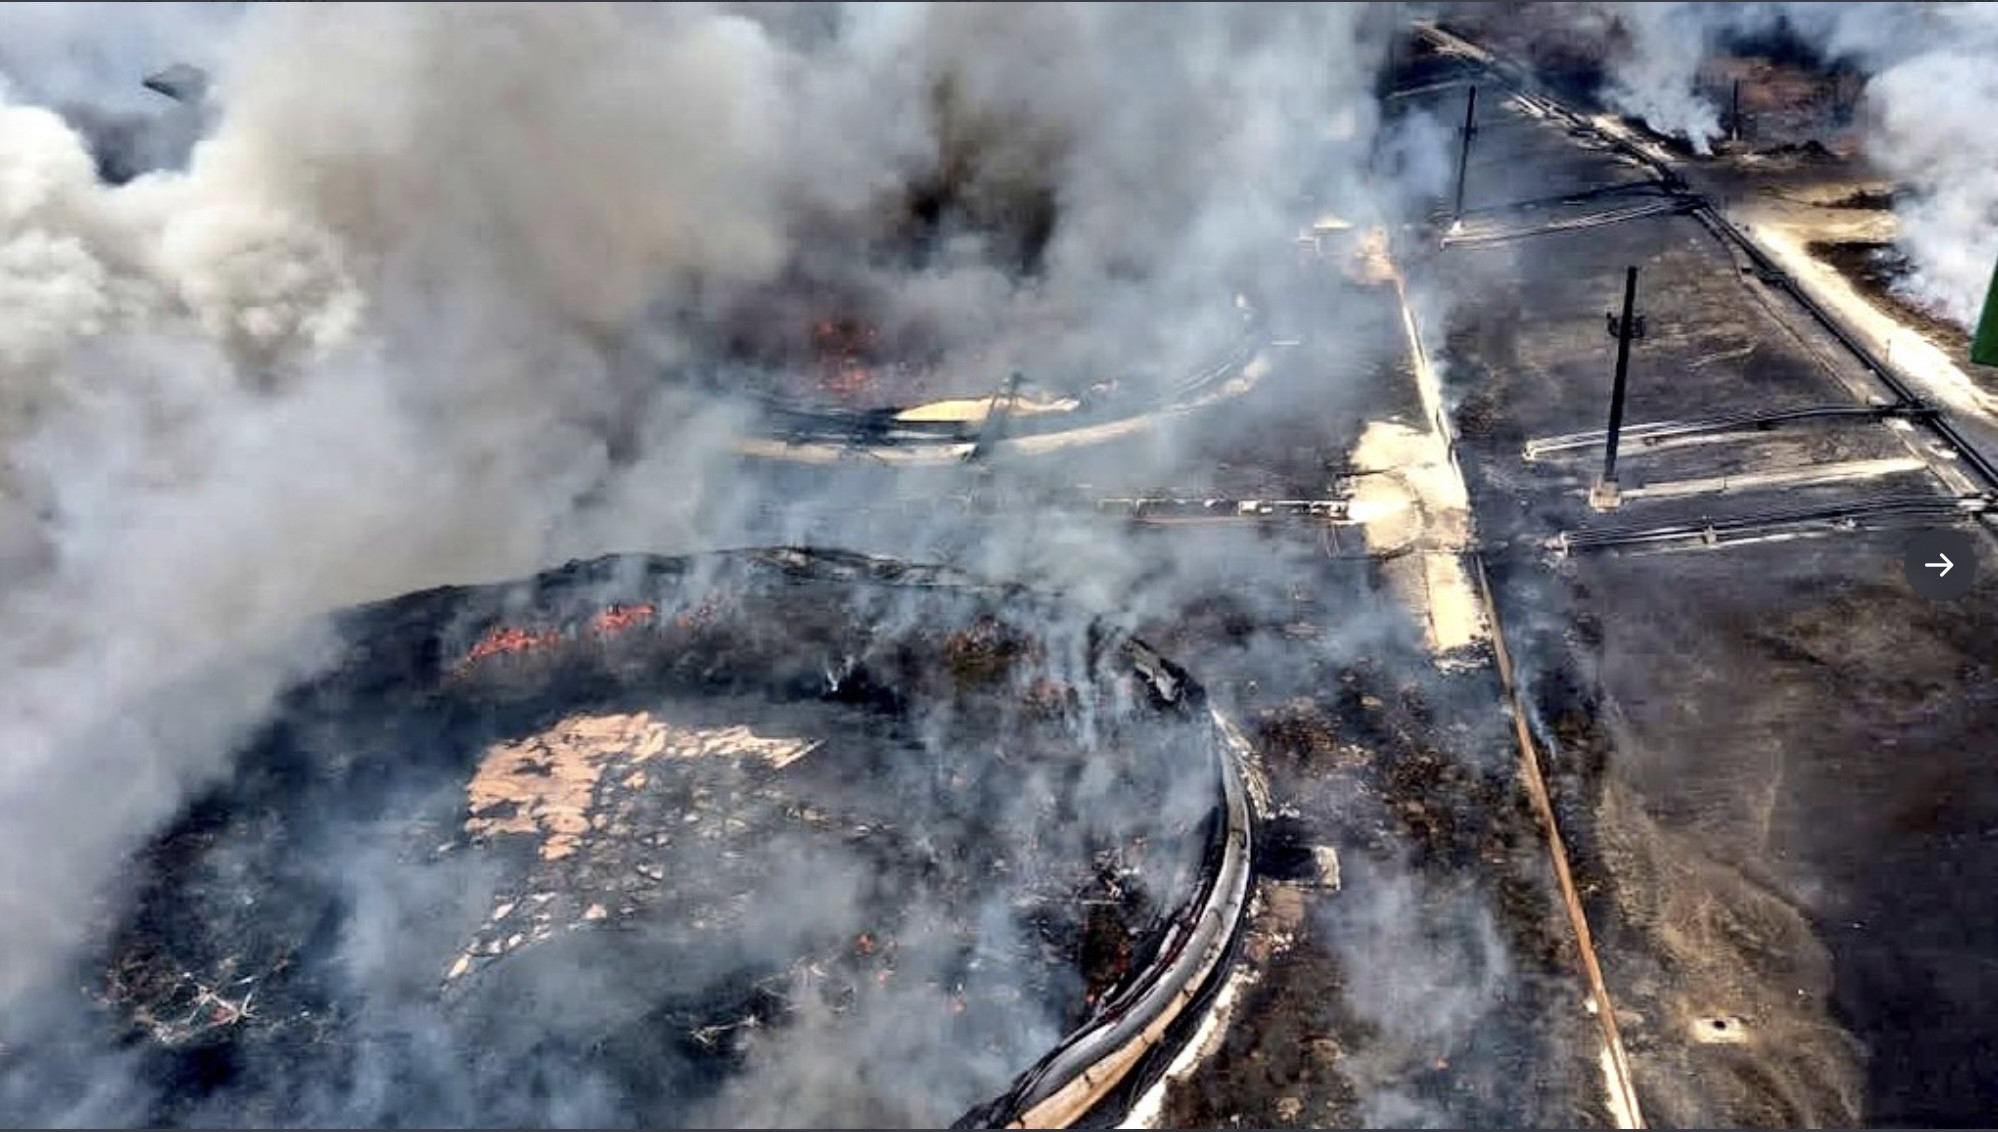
point(1464, 151)
point(1734, 114)
point(1626, 328)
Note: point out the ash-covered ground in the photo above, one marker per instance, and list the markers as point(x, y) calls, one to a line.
point(635, 842)
point(389, 339)
point(1764, 750)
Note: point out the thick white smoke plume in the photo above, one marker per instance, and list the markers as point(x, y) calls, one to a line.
point(80, 59)
point(1930, 128)
point(1925, 113)
point(1654, 81)
point(85, 55)
point(400, 318)
point(1655, 76)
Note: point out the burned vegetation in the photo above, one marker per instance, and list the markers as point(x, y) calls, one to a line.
point(616, 832)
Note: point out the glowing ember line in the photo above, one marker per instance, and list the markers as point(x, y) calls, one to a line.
point(508, 639)
point(618, 618)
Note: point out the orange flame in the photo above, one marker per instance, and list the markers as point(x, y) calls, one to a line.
point(506, 639)
point(618, 618)
point(842, 346)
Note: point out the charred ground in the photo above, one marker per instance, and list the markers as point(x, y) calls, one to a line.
point(782, 791)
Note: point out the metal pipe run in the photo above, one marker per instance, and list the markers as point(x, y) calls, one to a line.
point(1487, 235)
point(1925, 507)
point(1657, 431)
point(1528, 89)
point(1138, 1019)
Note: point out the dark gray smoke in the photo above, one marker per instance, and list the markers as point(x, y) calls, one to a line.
point(81, 58)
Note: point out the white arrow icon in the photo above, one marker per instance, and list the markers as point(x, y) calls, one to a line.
point(1942, 568)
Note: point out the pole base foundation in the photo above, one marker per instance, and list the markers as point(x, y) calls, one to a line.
point(1605, 496)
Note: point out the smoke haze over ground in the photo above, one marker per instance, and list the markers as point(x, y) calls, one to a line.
point(398, 319)
point(1925, 94)
point(1929, 95)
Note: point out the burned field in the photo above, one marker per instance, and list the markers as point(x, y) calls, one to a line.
point(1880, 272)
point(1757, 735)
point(1489, 794)
point(1428, 979)
point(612, 837)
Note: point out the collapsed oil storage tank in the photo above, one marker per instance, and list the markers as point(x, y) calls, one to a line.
point(841, 383)
point(774, 837)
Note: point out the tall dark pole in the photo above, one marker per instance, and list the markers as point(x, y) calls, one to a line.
point(1464, 152)
point(1734, 114)
point(1625, 328)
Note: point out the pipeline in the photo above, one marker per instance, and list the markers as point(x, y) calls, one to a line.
point(1935, 421)
point(1523, 86)
point(1844, 514)
point(1134, 1021)
point(1484, 236)
point(791, 423)
point(1731, 422)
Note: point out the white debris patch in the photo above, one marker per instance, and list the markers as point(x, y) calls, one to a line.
point(1418, 507)
point(548, 784)
point(571, 786)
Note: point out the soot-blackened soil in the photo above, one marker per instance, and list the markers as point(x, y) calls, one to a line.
point(649, 841)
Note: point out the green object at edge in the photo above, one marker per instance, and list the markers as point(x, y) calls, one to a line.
point(1984, 347)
